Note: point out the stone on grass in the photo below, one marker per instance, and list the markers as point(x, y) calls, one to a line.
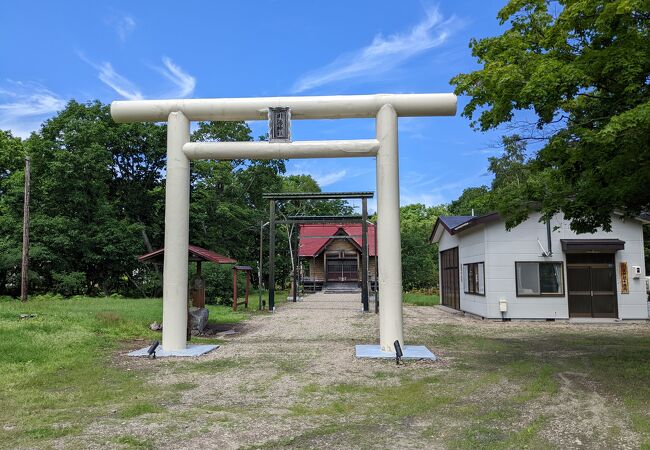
point(155, 326)
point(198, 319)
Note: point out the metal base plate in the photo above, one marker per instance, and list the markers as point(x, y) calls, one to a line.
point(190, 350)
point(409, 351)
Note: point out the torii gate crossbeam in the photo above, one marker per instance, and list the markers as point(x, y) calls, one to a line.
point(386, 108)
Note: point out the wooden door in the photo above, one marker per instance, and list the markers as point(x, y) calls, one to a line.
point(591, 281)
point(450, 278)
point(342, 270)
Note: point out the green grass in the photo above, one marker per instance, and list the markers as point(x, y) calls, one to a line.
point(420, 299)
point(254, 299)
point(54, 367)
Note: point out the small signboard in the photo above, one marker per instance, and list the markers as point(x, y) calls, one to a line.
point(625, 281)
point(280, 124)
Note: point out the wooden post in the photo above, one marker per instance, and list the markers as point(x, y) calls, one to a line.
point(234, 289)
point(364, 254)
point(376, 274)
point(24, 273)
point(248, 285)
point(295, 271)
point(198, 288)
point(272, 255)
point(260, 266)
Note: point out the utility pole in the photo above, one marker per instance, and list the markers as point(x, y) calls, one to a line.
point(259, 265)
point(25, 262)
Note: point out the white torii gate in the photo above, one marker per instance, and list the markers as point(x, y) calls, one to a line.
point(386, 108)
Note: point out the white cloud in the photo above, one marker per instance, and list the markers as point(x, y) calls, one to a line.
point(109, 76)
point(24, 105)
point(117, 82)
point(384, 53)
point(330, 178)
point(124, 26)
point(184, 82)
point(423, 198)
point(420, 188)
point(322, 176)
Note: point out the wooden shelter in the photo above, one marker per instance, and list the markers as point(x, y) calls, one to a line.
point(195, 254)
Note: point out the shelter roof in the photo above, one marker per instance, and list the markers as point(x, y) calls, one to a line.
point(195, 253)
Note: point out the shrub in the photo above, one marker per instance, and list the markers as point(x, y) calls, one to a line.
point(70, 283)
point(218, 283)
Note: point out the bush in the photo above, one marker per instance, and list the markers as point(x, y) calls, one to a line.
point(47, 297)
point(218, 283)
point(70, 283)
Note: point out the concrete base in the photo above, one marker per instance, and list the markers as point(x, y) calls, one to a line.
point(190, 350)
point(409, 351)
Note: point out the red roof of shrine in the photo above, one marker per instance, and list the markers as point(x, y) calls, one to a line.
point(314, 238)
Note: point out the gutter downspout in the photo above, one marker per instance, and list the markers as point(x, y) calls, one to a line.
point(548, 236)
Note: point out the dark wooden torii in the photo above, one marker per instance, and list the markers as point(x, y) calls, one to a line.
point(363, 219)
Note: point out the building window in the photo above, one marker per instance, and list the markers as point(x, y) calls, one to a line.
point(539, 278)
point(474, 278)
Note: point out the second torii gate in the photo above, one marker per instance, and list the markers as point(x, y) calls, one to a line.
point(385, 108)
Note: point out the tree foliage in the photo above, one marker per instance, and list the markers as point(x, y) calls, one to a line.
point(98, 202)
point(580, 68)
point(419, 259)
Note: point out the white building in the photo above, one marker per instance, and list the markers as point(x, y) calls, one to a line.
point(535, 271)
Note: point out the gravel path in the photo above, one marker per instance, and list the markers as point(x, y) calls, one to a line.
point(253, 390)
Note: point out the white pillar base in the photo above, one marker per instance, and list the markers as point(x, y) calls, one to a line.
point(417, 352)
point(188, 351)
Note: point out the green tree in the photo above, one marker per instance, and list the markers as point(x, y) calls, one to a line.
point(476, 199)
point(82, 238)
point(12, 154)
point(419, 259)
point(580, 69)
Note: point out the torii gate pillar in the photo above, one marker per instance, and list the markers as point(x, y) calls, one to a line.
point(177, 225)
point(389, 247)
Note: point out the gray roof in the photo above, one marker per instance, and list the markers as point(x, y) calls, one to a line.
point(454, 224)
point(453, 221)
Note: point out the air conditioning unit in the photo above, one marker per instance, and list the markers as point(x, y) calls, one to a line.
point(636, 272)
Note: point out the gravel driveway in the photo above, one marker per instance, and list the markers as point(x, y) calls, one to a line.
point(291, 379)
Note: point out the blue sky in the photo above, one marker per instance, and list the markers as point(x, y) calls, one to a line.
point(55, 51)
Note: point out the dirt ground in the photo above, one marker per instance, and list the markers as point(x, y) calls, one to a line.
point(291, 380)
